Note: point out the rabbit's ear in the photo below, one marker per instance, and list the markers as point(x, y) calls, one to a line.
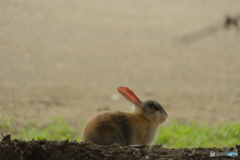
point(129, 95)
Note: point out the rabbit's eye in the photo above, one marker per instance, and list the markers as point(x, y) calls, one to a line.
point(156, 108)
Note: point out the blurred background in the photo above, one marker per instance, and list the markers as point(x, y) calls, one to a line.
point(68, 58)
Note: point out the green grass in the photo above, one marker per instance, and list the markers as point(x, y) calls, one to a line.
point(194, 135)
point(174, 135)
point(54, 129)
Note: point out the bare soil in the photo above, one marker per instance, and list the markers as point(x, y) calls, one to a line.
point(68, 58)
point(65, 150)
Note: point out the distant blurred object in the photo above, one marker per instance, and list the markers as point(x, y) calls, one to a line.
point(230, 21)
point(115, 97)
point(105, 108)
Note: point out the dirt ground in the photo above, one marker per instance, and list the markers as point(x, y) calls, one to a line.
point(65, 150)
point(68, 58)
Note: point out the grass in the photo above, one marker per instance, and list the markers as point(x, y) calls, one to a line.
point(194, 135)
point(54, 129)
point(172, 136)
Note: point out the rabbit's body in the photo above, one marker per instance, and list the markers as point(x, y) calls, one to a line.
point(126, 128)
point(138, 127)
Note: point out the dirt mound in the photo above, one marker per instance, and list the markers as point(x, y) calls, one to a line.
point(65, 150)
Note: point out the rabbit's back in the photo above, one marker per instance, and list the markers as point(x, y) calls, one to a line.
point(109, 127)
point(138, 127)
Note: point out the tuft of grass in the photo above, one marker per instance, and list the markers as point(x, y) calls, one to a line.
point(194, 135)
point(172, 136)
point(54, 129)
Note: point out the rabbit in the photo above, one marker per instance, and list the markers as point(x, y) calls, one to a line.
point(138, 127)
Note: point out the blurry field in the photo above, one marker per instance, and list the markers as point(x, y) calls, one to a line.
point(67, 58)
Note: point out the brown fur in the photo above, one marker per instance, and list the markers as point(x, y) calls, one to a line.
point(139, 127)
point(142, 130)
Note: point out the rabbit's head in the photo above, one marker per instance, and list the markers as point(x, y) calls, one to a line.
point(149, 109)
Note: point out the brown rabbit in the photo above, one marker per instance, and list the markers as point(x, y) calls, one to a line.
point(138, 127)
